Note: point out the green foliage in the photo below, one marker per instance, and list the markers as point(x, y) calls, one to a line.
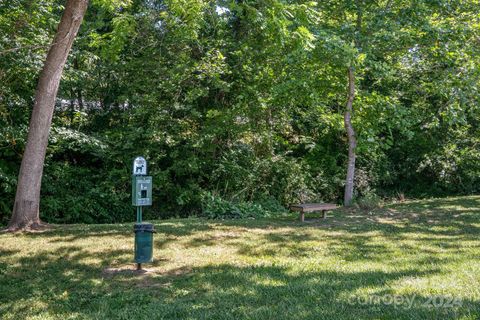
point(91, 197)
point(244, 100)
point(368, 201)
point(78, 181)
point(215, 207)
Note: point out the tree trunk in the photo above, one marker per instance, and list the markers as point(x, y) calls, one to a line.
point(72, 107)
point(80, 99)
point(352, 140)
point(79, 90)
point(27, 199)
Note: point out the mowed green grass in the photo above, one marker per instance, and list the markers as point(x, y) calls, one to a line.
point(345, 267)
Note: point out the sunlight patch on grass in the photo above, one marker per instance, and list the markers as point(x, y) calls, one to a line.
point(252, 269)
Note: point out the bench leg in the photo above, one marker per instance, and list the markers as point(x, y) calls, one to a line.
point(324, 214)
point(302, 216)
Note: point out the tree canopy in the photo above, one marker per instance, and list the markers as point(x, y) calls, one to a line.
point(238, 105)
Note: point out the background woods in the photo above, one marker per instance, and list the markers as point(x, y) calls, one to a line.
point(239, 105)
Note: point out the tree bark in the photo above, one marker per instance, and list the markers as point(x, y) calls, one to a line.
point(25, 213)
point(72, 106)
point(80, 99)
point(352, 140)
point(79, 90)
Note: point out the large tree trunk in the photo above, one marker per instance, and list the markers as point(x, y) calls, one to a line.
point(27, 200)
point(352, 140)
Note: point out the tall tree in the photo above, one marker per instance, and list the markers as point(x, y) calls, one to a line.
point(352, 140)
point(27, 200)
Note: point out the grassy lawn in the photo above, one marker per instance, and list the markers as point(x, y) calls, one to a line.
point(424, 254)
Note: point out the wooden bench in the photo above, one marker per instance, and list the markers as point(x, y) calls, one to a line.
point(313, 207)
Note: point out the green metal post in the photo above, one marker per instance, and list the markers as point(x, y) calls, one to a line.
point(139, 220)
point(142, 196)
point(139, 214)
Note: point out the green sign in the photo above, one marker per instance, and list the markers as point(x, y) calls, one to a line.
point(141, 191)
point(142, 196)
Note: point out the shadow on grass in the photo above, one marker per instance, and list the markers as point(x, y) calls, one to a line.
point(439, 228)
point(270, 292)
point(69, 281)
point(62, 284)
point(170, 228)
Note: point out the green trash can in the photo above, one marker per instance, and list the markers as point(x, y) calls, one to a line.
point(143, 242)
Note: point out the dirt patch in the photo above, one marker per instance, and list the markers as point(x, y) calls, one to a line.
point(131, 269)
point(153, 277)
point(125, 270)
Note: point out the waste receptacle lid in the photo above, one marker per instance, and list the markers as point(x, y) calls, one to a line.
point(143, 227)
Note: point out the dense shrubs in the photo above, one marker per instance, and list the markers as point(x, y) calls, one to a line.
point(239, 109)
point(214, 207)
point(87, 178)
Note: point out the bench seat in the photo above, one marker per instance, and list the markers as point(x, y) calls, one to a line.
point(313, 207)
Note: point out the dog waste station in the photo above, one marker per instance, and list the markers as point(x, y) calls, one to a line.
point(142, 196)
